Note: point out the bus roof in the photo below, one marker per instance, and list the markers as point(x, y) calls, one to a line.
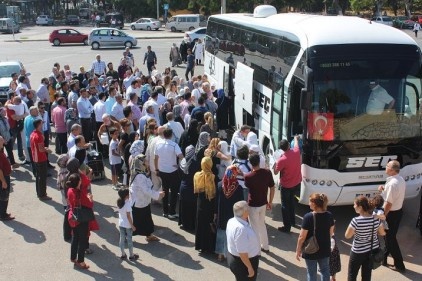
point(315, 30)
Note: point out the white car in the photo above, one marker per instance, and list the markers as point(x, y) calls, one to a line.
point(44, 20)
point(146, 24)
point(383, 20)
point(194, 35)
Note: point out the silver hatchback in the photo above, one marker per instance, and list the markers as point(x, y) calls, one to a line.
point(110, 37)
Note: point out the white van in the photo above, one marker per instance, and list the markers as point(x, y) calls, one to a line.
point(8, 25)
point(186, 22)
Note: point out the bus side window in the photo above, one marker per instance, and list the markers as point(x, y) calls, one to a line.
point(411, 99)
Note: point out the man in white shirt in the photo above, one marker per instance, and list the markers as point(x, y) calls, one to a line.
point(393, 193)
point(129, 78)
point(153, 102)
point(378, 99)
point(117, 109)
point(239, 139)
point(133, 88)
point(161, 99)
point(74, 132)
point(73, 95)
point(175, 126)
point(98, 66)
point(167, 153)
point(144, 119)
point(43, 94)
point(242, 244)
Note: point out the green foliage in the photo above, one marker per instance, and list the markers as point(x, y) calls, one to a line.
point(359, 5)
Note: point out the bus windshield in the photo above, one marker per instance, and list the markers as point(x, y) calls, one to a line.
point(361, 99)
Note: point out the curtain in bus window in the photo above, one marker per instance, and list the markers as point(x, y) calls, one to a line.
point(321, 126)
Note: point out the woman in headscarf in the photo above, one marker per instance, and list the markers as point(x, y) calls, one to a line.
point(228, 193)
point(133, 136)
point(73, 167)
point(189, 136)
point(187, 206)
point(177, 110)
point(141, 193)
point(166, 109)
point(223, 147)
point(222, 113)
point(174, 55)
point(203, 142)
point(205, 190)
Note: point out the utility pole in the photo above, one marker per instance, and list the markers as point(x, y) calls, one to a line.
point(223, 6)
point(158, 9)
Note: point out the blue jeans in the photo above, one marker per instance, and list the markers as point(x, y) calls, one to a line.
point(324, 267)
point(126, 233)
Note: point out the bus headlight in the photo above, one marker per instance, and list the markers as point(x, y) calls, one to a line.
point(412, 177)
point(314, 182)
point(322, 182)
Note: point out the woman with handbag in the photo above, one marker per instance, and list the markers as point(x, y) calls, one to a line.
point(364, 229)
point(78, 197)
point(314, 242)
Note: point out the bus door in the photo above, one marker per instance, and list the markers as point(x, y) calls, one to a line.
point(243, 88)
point(295, 112)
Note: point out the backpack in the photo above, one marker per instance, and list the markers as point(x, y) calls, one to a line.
point(237, 163)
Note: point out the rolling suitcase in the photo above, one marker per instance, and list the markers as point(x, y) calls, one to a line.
point(95, 162)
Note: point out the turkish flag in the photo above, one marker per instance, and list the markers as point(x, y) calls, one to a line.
point(321, 126)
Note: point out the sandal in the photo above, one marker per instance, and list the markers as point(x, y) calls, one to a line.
point(123, 257)
point(134, 257)
point(81, 265)
point(152, 238)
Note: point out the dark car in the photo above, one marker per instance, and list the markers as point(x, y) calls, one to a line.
point(114, 20)
point(403, 22)
point(67, 35)
point(72, 20)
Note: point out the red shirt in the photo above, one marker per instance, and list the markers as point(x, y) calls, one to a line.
point(258, 183)
point(73, 196)
point(12, 122)
point(35, 139)
point(290, 168)
point(5, 164)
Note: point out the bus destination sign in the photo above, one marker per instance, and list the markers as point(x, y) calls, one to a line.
point(341, 64)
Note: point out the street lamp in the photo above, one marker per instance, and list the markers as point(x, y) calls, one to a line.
point(158, 9)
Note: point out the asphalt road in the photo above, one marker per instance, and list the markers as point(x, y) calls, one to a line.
point(32, 247)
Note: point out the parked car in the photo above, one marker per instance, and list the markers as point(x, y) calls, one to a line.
point(186, 22)
point(110, 37)
point(44, 20)
point(146, 24)
point(383, 20)
point(417, 18)
point(403, 22)
point(194, 35)
point(67, 35)
point(6, 70)
point(8, 25)
point(72, 20)
point(107, 20)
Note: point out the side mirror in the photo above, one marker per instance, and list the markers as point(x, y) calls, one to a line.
point(305, 99)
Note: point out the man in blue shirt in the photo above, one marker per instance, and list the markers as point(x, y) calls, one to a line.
point(85, 109)
point(28, 125)
point(190, 64)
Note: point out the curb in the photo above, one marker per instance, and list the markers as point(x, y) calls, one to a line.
point(141, 38)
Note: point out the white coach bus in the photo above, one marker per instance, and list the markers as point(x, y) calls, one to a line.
point(313, 75)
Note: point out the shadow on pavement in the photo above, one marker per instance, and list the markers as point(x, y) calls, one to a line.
point(29, 234)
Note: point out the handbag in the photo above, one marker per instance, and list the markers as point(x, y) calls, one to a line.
point(81, 213)
point(310, 246)
point(377, 255)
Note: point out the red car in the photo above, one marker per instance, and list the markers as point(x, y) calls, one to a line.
point(67, 35)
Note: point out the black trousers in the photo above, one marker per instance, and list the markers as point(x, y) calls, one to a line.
point(61, 143)
point(4, 198)
point(170, 183)
point(288, 203)
point(41, 178)
point(239, 269)
point(356, 261)
point(34, 168)
point(87, 129)
point(393, 220)
point(149, 66)
point(9, 150)
point(79, 242)
point(47, 142)
point(189, 70)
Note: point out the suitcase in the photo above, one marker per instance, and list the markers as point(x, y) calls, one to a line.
point(95, 162)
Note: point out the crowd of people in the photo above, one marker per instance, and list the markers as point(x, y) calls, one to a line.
point(166, 138)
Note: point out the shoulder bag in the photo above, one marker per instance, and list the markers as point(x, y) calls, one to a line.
point(81, 213)
point(377, 255)
point(310, 246)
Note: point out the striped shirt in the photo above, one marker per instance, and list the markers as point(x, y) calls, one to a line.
point(363, 228)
